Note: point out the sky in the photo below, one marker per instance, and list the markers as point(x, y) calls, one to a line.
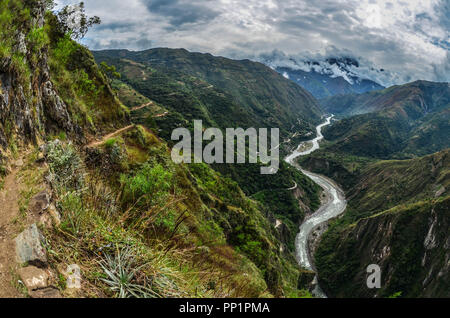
point(410, 39)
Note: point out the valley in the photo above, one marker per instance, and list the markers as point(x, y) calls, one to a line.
point(87, 179)
point(332, 206)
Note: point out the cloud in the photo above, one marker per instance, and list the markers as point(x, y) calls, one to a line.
point(409, 39)
point(180, 12)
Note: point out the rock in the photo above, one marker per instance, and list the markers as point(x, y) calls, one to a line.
point(55, 215)
point(29, 247)
point(39, 203)
point(49, 292)
point(40, 157)
point(52, 217)
point(55, 108)
point(33, 277)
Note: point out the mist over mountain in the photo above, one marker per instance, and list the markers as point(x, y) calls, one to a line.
point(333, 73)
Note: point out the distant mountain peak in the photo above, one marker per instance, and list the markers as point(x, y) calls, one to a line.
point(326, 76)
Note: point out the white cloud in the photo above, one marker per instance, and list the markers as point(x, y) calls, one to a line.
point(408, 38)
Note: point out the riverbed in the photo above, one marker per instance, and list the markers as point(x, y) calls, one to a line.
point(334, 205)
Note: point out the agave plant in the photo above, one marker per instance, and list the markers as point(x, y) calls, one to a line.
point(121, 271)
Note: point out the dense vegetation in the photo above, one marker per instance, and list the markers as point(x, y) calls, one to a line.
point(137, 224)
point(398, 122)
point(229, 93)
point(223, 95)
point(392, 205)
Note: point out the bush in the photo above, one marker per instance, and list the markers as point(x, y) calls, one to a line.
point(64, 49)
point(121, 272)
point(148, 185)
point(66, 170)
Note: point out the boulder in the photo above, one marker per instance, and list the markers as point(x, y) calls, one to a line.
point(29, 247)
point(39, 203)
point(33, 277)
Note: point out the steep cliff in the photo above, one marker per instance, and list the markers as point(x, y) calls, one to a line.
point(410, 243)
point(397, 218)
point(48, 81)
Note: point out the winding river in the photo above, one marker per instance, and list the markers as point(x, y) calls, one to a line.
point(334, 205)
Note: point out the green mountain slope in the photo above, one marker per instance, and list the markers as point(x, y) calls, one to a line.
point(224, 93)
point(411, 100)
point(397, 218)
point(398, 122)
point(116, 196)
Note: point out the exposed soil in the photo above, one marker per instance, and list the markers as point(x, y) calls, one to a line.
point(9, 210)
point(111, 135)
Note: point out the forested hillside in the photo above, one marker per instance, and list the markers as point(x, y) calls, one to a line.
point(97, 190)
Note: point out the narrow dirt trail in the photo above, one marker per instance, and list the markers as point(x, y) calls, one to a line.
point(161, 115)
point(149, 104)
point(111, 135)
point(142, 106)
point(9, 210)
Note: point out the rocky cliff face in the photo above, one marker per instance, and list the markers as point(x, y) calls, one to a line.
point(29, 105)
point(410, 244)
point(35, 68)
point(398, 218)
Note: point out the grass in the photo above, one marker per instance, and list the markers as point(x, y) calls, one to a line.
point(165, 263)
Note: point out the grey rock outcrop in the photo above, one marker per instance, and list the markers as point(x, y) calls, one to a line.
point(29, 247)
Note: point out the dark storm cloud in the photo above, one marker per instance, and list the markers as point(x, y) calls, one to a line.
point(180, 12)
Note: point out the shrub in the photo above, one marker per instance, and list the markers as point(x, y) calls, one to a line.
point(64, 49)
point(65, 166)
point(148, 185)
point(121, 275)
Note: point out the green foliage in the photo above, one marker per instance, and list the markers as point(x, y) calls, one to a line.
point(396, 295)
point(64, 49)
point(148, 185)
point(85, 86)
point(82, 86)
point(109, 71)
point(72, 206)
point(66, 170)
point(37, 39)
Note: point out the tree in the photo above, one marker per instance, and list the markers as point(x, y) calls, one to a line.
point(109, 71)
point(72, 19)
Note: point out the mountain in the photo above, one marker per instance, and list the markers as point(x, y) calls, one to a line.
point(322, 84)
point(324, 77)
point(102, 191)
point(223, 92)
point(398, 122)
point(397, 218)
point(398, 210)
point(410, 101)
